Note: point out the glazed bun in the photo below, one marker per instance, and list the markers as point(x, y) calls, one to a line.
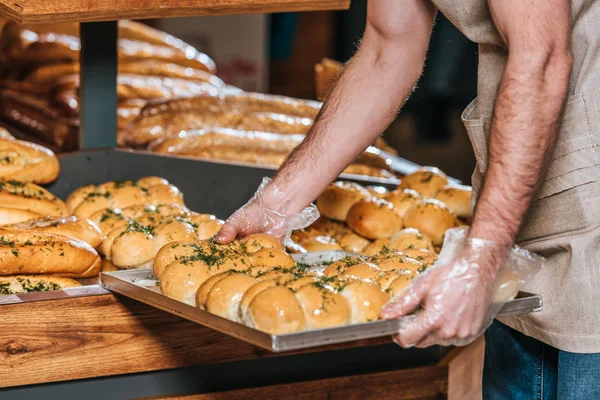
point(296, 284)
point(352, 242)
point(251, 293)
point(432, 218)
point(425, 180)
point(275, 311)
point(204, 289)
point(399, 284)
point(207, 227)
point(403, 200)
point(363, 271)
point(366, 300)
point(226, 294)
point(180, 281)
point(338, 198)
point(259, 241)
point(387, 278)
point(374, 219)
point(409, 238)
point(397, 261)
point(320, 243)
point(426, 257)
point(457, 198)
point(377, 191)
point(375, 247)
point(341, 265)
point(269, 257)
point(323, 308)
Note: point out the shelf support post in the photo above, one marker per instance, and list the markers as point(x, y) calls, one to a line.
point(98, 85)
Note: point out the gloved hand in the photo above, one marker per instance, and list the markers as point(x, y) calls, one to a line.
point(262, 213)
point(462, 293)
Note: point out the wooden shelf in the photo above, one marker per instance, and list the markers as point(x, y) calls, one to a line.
point(38, 11)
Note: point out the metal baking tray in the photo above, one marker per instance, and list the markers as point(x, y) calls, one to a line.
point(141, 285)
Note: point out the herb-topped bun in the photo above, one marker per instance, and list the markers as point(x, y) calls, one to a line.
point(320, 243)
point(272, 258)
point(322, 306)
point(258, 241)
point(457, 198)
point(424, 256)
point(374, 219)
point(224, 297)
point(432, 218)
point(409, 238)
point(366, 299)
point(275, 310)
point(338, 198)
point(425, 180)
point(30, 197)
point(34, 283)
point(403, 200)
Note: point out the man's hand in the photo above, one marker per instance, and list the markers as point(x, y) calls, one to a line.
point(455, 297)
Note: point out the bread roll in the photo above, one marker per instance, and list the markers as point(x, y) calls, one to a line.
point(397, 261)
point(170, 253)
point(377, 191)
point(27, 162)
point(399, 284)
point(272, 258)
point(275, 311)
point(341, 265)
point(366, 299)
point(320, 243)
point(338, 198)
point(181, 280)
point(375, 247)
point(369, 272)
point(425, 180)
point(386, 279)
point(207, 285)
point(30, 197)
point(352, 242)
point(323, 308)
point(403, 200)
point(71, 227)
point(251, 293)
point(207, 227)
point(409, 237)
point(374, 219)
point(25, 252)
point(10, 216)
point(432, 218)
point(280, 276)
point(457, 198)
point(299, 282)
point(226, 294)
point(423, 256)
point(258, 241)
point(107, 266)
point(34, 283)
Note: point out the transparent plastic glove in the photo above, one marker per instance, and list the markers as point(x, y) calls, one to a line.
point(461, 294)
point(259, 215)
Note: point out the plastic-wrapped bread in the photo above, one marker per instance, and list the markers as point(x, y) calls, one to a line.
point(409, 237)
point(432, 218)
point(86, 200)
point(338, 198)
point(34, 283)
point(30, 197)
point(374, 219)
point(71, 227)
point(27, 162)
point(31, 252)
point(426, 180)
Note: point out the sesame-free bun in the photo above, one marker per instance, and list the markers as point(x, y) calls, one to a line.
point(457, 198)
point(224, 297)
point(366, 300)
point(425, 180)
point(320, 243)
point(375, 247)
point(409, 237)
point(432, 218)
point(275, 310)
point(323, 308)
point(269, 257)
point(374, 219)
point(258, 241)
point(403, 200)
point(338, 198)
point(424, 256)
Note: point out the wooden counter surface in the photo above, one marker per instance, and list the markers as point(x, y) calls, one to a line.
point(37, 11)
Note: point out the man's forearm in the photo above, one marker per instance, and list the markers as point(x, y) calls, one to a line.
point(362, 103)
point(523, 131)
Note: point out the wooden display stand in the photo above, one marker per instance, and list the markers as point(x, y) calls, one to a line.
point(69, 339)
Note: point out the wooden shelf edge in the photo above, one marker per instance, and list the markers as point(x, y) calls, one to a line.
point(38, 11)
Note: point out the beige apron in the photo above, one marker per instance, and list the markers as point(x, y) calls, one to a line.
point(563, 223)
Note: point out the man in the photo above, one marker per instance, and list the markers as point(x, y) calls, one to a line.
point(535, 132)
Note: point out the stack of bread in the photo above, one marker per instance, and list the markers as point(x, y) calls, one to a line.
point(366, 220)
point(167, 91)
point(255, 282)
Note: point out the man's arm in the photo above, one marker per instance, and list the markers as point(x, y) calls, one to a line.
point(362, 103)
point(527, 112)
point(456, 296)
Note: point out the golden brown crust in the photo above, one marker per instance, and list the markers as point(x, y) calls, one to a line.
point(34, 283)
point(27, 162)
point(25, 252)
point(409, 238)
point(374, 219)
point(366, 300)
point(225, 296)
point(457, 198)
point(30, 197)
point(323, 308)
point(320, 243)
point(402, 199)
point(338, 198)
point(432, 218)
point(14, 215)
point(276, 311)
point(425, 180)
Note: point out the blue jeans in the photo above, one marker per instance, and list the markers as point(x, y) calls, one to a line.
point(520, 367)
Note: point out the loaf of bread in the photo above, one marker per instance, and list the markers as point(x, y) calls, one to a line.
point(27, 162)
point(34, 283)
point(86, 200)
point(37, 252)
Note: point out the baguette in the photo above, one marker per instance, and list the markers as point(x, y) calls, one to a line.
point(71, 227)
point(30, 197)
point(25, 252)
point(28, 162)
point(34, 283)
point(14, 215)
